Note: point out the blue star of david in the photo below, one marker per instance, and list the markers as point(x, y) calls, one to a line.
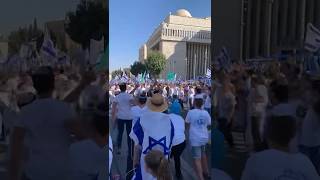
point(153, 142)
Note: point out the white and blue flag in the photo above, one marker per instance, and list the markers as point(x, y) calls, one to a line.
point(48, 48)
point(208, 73)
point(312, 39)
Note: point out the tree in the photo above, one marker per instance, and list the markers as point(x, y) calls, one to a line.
point(87, 22)
point(127, 71)
point(30, 33)
point(35, 27)
point(155, 63)
point(115, 73)
point(16, 39)
point(24, 35)
point(137, 68)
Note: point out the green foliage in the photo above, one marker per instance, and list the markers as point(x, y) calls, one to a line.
point(155, 63)
point(24, 35)
point(87, 22)
point(137, 68)
point(127, 71)
point(115, 73)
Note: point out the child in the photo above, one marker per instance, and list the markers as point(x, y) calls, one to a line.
point(157, 165)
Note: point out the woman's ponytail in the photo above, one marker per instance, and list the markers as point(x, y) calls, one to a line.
point(158, 164)
point(164, 170)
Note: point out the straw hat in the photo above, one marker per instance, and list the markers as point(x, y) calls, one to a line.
point(157, 103)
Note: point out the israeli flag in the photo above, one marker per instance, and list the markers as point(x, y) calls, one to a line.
point(223, 60)
point(48, 48)
point(208, 74)
point(152, 131)
point(312, 39)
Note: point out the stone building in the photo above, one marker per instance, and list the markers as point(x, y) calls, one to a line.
point(185, 41)
point(262, 28)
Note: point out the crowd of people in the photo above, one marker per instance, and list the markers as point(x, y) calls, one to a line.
point(158, 129)
point(277, 109)
point(54, 120)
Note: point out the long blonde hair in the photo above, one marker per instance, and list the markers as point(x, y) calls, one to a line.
point(158, 164)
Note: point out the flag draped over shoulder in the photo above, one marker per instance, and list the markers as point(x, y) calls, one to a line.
point(312, 39)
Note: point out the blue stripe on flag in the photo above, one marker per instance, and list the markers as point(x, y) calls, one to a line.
point(137, 129)
point(138, 173)
point(49, 51)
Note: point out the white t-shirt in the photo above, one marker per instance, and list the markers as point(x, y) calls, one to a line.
point(179, 129)
point(191, 93)
point(136, 112)
point(176, 91)
point(47, 139)
point(87, 160)
point(171, 91)
point(261, 91)
point(124, 106)
point(164, 92)
point(310, 135)
point(277, 165)
point(199, 120)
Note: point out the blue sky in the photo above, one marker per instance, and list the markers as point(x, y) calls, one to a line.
point(131, 22)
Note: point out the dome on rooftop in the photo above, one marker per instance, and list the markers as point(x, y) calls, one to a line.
point(183, 13)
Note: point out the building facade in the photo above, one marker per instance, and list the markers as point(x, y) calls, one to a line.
point(263, 28)
point(185, 41)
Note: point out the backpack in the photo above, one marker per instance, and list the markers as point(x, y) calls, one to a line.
point(175, 107)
